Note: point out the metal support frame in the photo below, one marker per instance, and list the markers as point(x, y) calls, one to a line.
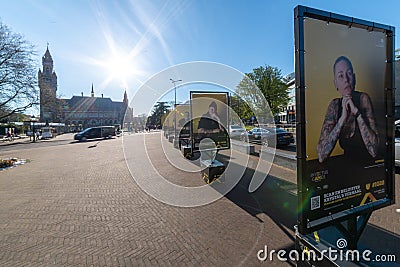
point(174, 82)
point(353, 229)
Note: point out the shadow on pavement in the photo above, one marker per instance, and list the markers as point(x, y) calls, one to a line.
point(274, 198)
point(277, 199)
point(97, 140)
point(15, 142)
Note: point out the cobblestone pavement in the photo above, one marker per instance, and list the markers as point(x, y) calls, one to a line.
point(76, 204)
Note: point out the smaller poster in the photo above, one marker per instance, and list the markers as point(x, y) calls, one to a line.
point(182, 113)
point(210, 118)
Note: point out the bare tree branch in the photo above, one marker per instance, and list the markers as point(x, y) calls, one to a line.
point(18, 77)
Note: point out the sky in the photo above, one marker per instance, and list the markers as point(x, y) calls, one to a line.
point(119, 45)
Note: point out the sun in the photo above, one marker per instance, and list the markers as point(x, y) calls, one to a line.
point(120, 66)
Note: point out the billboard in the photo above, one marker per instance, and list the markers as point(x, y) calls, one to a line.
point(209, 112)
point(182, 113)
point(167, 122)
point(344, 97)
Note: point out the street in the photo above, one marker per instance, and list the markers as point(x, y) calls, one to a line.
point(76, 203)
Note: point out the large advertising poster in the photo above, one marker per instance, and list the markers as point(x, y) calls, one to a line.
point(167, 123)
point(347, 134)
point(210, 118)
point(182, 113)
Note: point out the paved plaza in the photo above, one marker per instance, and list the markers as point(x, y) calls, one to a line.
point(77, 204)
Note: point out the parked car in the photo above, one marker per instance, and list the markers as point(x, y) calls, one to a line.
point(267, 136)
point(235, 131)
point(95, 132)
point(397, 144)
point(257, 134)
point(47, 132)
point(397, 152)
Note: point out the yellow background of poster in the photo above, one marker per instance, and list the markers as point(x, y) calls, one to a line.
point(324, 43)
point(180, 113)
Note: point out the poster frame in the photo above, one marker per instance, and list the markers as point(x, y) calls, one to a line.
point(305, 226)
point(191, 116)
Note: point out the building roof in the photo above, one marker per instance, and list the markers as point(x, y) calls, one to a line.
point(99, 104)
point(47, 56)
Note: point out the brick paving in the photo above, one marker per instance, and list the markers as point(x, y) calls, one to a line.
point(76, 204)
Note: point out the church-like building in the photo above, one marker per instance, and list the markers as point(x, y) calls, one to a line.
point(78, 112)
point(48, 88)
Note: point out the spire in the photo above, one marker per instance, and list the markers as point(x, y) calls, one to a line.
point(47, 55)
point(125, 98)
point(92, 94)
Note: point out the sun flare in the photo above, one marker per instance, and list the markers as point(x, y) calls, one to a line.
point(120, 66)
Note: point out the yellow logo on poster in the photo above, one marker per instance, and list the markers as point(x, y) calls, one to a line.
point(368, 186)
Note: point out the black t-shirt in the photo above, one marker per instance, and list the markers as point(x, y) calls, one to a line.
point(184, 132)
point(207, 123)
point(354, 147)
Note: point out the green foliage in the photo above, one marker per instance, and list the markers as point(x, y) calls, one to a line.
point(270, 82)
point(241, 108)
point(159, 109)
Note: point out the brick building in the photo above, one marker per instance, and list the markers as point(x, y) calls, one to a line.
point(78, 112)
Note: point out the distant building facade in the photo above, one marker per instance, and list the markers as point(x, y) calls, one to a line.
point(288, 113)
point(79, 112)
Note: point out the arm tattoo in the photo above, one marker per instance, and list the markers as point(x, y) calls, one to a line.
point(367, 124)
point(330, 131)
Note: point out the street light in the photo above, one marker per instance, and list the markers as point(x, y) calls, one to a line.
point(174, 82)
point(33, 127)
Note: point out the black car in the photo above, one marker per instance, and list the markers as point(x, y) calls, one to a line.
point(268, 136)
point(95, 132)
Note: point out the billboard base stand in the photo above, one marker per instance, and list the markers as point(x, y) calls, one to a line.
point(187, 151)
point(243, 147)
point(306, 247)
point(354, 229)
point(176, 143)
point(212, 171)
point(340, 238)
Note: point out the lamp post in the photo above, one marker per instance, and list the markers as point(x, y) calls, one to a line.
point(174, 82)
point(33, 127)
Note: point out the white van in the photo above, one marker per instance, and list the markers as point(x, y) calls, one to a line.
point(47, 132)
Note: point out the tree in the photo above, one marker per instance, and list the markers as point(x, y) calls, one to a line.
point(18, 81)
point(159, 109)
point(240, 107)
point(270, 82)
